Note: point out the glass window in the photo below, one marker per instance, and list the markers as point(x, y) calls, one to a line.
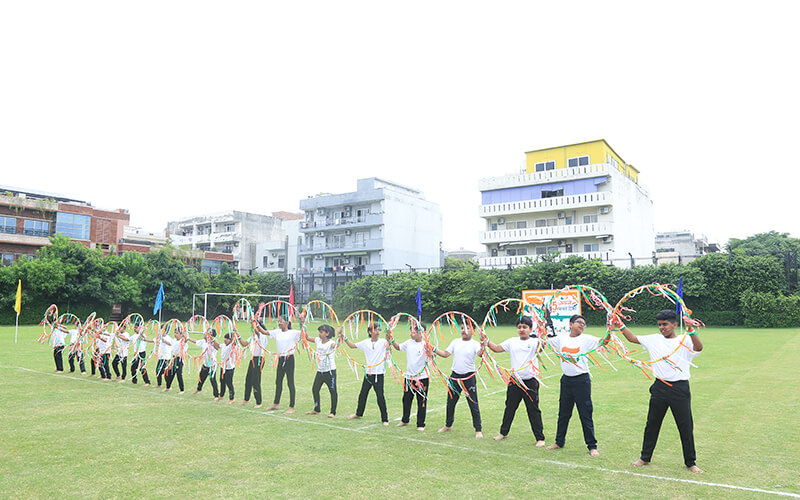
point(74, 226)
point(8, 225)
point(37, 228)
point(545, 165)
point(578, 161)
point(552, 193)
point(589, 219)
point(540, 223)
point(522, 224)
point(8, 259)
point(594, 247)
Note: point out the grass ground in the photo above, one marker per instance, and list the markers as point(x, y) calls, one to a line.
point(64, 435)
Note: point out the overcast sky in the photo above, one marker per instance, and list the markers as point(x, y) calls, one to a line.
point(180, 108)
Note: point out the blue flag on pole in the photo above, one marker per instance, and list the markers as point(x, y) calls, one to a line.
point(159, 299)
point(419, 302)
point(680, 294)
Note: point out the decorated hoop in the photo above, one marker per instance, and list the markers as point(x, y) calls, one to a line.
point(242, 310)
point(351, 326)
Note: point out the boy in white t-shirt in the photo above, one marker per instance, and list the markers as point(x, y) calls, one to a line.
point(227, 363)
point(121, 356)
point(326, 368)
point(671, 388)
point(285, 343)
point(75, 351)
point(208, 347)
point(376, 354)
point(464, 352)
point(416, 381)
point(525, 367)
point(576, 386)
point(58, 338)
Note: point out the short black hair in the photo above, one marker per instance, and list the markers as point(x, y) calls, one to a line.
point(525, 320)
point(667, 315)
point(576, 317)
point(375, 327)
point(327, 330)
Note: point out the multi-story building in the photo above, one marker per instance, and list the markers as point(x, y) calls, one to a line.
point(281, 255)
point(681, 247)
point(232, 232)
point(580, 199)
point(29, 218)
point(140, 241)
point(380, 227)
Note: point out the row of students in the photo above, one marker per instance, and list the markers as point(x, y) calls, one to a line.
point(669, 391)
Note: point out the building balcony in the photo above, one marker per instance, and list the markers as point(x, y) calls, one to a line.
point(559, 174)
point(25, 236)
point(352, 248)
point(523, 260)
point(354, 222)
point(555, 204)
point(545, 234)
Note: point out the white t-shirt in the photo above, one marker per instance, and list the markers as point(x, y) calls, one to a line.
point(258, 345)
point(122, 345)
point(209, 352)
point(104, 340)
point(58, 338)
point(572, 347)
point(523, 352)
point(464, 353)
point(375, 354)
point(326, 355)
point(73, 335)
point(178, 347)
point(227, 358)
point(285, 341)
point(139, 346)
point(658, 346)
point(415, 359)
point(164, 350)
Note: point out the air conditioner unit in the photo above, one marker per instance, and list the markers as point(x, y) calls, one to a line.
point(320, 211)
point(562, 242)
point(501, 220)
point(348, 210)
point(605, 210)
point(347, 232)
point(346, 261)
point(274, 254)
point(608, 239)
point(561, 215)
point(317, 281)
point(319, 233)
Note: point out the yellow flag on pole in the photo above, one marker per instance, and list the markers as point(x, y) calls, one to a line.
point(18, 303)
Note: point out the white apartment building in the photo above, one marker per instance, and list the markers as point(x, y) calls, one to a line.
point(576, 200)
point(232, 232)
point(281, 256)
point(681, 247)
point(380, 227)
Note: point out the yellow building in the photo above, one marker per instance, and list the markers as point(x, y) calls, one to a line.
point(576, 155)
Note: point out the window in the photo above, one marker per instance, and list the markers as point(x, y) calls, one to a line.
point(227, 248)
point(8, 259)
point(229, 228)
point(552, 222)
point(494, 226)
point(361, 239)
point(552, 194)
point(37, 228)
point(337, 241)
point(541, 250)
point(568, 220)
point(593, 247)
point(281, 261)
point(266, 262)
point(74, 226)
point(517, 251)
point(545, 165)
point(8, 225)
point(578, 161)
point(590, 219)
point(522, 224)
point(540, 223)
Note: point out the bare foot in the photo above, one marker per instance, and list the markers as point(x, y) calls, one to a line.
point(164, 390)
point(553, 447)
point(640, 463)
point(540, 444)
point(478, 435)
point(147, 385)
point(499, 437)
point(273, 407)
point(331, 415)
point(421, 429)
point(289, 411)
point(594, 453)
point(354, 416)
point(696, 469)
point(244, 402)
point(444, 429)
point(257, 406)
point(386, 424)
point(121, 381)
point(217, 399)
point(230, 402)
point(312, 412)
point(180, 392)
point(401, 424)
point(59, 371)
point(195, 392)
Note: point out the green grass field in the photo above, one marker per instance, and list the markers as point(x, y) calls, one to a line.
point(64, 435)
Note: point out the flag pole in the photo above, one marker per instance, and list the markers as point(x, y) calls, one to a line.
point(16, 328)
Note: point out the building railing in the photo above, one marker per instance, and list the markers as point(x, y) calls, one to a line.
point(558, 174)
point(503, 261)
point(354, 245)
point(332, 223)
point(550, 232)
point(27, 232)
point(556, 203)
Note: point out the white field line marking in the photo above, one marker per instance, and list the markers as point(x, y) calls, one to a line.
point(423, 441)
